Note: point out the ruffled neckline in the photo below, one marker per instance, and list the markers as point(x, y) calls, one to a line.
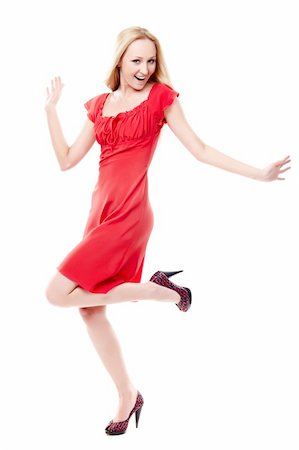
point(130, 111)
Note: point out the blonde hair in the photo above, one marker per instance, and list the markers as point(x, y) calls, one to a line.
point(124, 39)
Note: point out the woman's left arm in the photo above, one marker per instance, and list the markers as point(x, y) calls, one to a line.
point(177, 122)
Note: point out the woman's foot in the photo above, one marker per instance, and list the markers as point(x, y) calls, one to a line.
point(161, 279)
point(120, 427)
point(164, 293)
point(127, 401)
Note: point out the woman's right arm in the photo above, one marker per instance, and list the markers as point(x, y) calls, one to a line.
point(67, 156)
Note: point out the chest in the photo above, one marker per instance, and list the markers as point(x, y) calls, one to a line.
point(115, 104)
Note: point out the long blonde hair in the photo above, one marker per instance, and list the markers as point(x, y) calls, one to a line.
point(124, 39)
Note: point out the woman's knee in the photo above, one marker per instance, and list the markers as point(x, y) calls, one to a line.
point(93, 313)
point(52, 294)
point(58, 288)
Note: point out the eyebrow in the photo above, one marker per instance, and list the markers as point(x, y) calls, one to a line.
point(141, 57)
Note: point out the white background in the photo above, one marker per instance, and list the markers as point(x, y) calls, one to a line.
point(223, 376)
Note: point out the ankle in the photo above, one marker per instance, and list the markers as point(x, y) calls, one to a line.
point(127, 391)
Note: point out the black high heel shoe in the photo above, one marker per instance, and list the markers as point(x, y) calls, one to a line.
point(121, 427)
point(170, 274)
point(162, 279)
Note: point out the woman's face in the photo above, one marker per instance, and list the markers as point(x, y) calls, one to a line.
point(138, 63)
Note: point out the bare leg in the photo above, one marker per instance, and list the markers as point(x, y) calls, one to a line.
point(62, 292)
point(108, 348)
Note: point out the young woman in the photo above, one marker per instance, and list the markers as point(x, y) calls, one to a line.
point(106, 266)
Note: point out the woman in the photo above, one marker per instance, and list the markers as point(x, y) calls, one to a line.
point(106, 266)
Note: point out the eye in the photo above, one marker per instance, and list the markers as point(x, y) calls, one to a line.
point(136, 60)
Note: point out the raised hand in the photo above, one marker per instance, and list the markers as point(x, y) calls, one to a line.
point(272, 172)
point(54, 95)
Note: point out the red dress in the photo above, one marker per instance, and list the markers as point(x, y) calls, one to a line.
point(120, 219)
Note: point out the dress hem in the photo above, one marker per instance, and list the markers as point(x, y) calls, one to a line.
point(100, 290)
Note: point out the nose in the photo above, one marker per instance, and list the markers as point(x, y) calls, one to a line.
point(144, 69)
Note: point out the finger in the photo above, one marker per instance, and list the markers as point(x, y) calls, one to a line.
point(285, 169)
point(282, 161)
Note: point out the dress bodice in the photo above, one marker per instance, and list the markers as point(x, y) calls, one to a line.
point(141, 122)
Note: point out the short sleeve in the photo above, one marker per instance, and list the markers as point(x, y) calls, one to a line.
point(165, 99)
point(92, 106)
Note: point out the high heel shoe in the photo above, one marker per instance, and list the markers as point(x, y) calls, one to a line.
point(170, 274)
point(161, 278)
point(121, 427)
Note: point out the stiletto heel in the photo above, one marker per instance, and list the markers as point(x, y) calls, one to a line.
point(121, 427)
point(161, 278)
point(137, 415)
point(170, 274)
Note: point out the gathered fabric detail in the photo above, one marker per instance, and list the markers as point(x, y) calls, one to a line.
point(138, 123)
point(145, 120)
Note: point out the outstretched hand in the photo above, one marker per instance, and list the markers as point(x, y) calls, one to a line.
point(54, 95)
point(272, 172)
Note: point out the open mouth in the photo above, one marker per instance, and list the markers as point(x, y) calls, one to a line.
point(139, 79)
